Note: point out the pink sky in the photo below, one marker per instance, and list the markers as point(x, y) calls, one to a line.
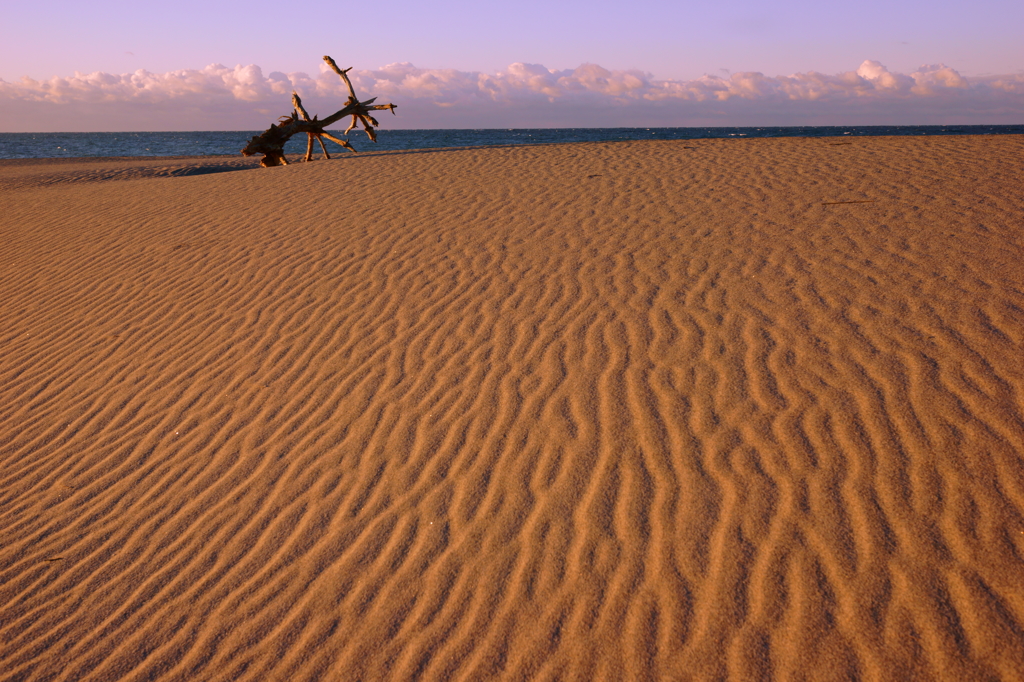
point(132, 66)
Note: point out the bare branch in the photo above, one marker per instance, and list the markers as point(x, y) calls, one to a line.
point(297, 103)
point(343, 74)
point(320, 140)
point(309, 147)
point(343, 143)
point(368, 127)
point(271, 142)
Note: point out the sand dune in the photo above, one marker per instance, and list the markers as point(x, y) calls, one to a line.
point(645, 410)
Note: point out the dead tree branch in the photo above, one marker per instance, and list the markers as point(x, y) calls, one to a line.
point(271, 142)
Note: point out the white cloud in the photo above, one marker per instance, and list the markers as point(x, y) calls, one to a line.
point(219, 97)
point(882, 78)
point(934, 78)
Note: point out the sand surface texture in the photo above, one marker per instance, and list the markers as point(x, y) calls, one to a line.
point(648, 410)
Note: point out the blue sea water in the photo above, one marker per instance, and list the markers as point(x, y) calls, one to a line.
point(49, 145)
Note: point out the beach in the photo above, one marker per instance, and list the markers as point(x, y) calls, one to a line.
point(667, 410)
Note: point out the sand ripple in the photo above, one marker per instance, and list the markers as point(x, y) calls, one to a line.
point(597, 411)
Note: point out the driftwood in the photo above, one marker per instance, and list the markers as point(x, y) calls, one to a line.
point(271, 142)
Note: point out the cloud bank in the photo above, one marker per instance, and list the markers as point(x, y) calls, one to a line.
point(524, 95)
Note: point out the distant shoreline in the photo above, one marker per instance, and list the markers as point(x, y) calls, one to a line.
point(228, 143)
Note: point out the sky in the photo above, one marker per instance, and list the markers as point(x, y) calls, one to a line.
point(187, 65)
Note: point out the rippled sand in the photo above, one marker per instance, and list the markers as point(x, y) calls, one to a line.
point(672, 410)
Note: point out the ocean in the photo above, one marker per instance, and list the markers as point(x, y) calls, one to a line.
point(65, 145)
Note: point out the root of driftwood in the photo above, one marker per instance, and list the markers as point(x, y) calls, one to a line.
point(271, 142)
